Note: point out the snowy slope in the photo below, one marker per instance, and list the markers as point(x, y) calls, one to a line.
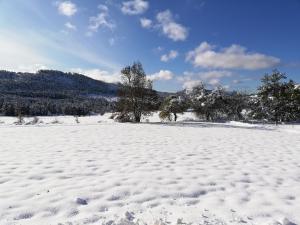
point(97, 170)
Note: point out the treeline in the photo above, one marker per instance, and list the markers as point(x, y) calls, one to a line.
point(48, 107)
point(56, 93)
point(276, 100)
point(11, 105)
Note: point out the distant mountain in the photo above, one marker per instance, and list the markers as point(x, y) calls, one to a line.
point(51, 81)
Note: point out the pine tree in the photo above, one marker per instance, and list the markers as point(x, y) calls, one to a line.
point(278, 98)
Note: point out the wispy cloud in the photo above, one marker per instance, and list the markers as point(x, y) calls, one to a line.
point(171, 55)
point(212, 78)
point(166, 24)
point(232, 57)
point(42, 48)
point(66, 8)
point(70, 26)
point(134, 7)
point(101, 20)
point(112, 41)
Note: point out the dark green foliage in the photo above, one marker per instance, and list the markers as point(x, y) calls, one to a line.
point(14, 105)
point(234, 105)
point(278, 99)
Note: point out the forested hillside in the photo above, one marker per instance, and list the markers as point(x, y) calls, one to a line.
point(53, 82)
point(50, 92)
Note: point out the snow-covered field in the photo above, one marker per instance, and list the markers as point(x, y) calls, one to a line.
point(186, 172)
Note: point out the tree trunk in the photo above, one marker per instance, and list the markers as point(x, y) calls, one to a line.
point(207, 116)
point(137, 118)
point(276, 118)
point(175, 117)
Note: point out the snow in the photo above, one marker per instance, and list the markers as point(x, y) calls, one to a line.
point(185, 172)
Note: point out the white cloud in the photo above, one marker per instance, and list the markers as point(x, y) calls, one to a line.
point(98, 74)
point(101, 20)
point(161, 75)
point(70, 26)
point(134, 7)
point(214, 82)
point(146, 23)
point(232, 57)
point(67, 8)
point(212, 78)
point(103, 7)
point(188, 83)
point(170, 28)
point(171, 55)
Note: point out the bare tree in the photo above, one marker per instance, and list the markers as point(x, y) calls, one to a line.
point(136, 97)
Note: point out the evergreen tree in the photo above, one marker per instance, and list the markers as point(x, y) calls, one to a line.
point(278, 98)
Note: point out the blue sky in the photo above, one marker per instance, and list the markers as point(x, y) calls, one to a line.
point(179, 42)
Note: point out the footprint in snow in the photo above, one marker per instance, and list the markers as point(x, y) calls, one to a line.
point(81, 201)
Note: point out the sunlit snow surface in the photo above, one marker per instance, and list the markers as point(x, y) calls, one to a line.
point(97, 170)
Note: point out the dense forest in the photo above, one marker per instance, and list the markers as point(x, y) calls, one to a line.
point(50, 92)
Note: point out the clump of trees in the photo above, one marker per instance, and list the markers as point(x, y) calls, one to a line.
point(136, 96)
point(276, 100)
point(217, 104)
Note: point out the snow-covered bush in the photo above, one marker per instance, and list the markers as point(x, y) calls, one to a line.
point(34, 121)
point(124, 117)
point(172, 105)
point(209, 105)
point(76, 119)
point(20, 120)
